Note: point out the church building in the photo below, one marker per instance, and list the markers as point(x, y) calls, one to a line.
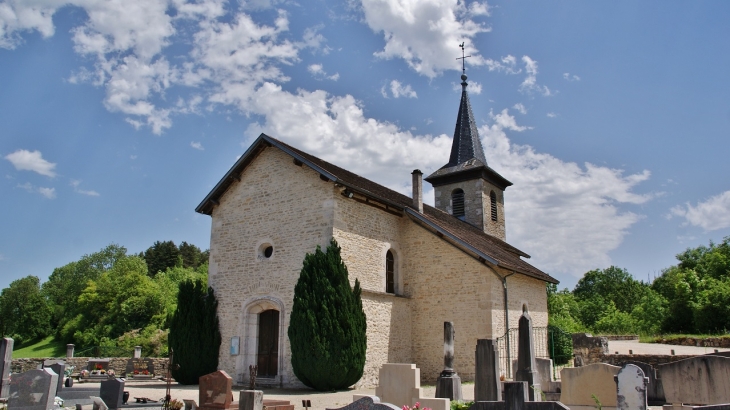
point(418, 265)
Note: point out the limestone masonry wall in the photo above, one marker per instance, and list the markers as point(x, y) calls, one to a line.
point(118, 364)
point(276, 203)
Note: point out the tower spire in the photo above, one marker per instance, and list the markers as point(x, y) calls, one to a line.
point(466, 144)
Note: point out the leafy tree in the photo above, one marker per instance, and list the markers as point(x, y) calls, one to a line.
point(712, 310)
point(194, 332)
point(327, 325)
point(65, 284)
point(24, 312)
point(192, 256)
point(615, 322)
point(611, 284)
point(650, 313)
point(161, 256)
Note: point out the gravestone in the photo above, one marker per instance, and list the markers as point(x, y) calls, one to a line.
point(544, 369)
point(137, 352)
point(486, 372)
point(578, 384)
point(654, 391)
point(33, 390)
point(251, 400)
point(368, 403)
point(59, 367)
point(631, 388)
point(98, 404)
point(448, 384)
point(141, 368)
point(214, 391)
point(400, 384)
point(526, 366)
point(700, 380)
point(97, 365)
point(69, 351)
point(6, 358)
point(190, 404)
point(515, 398)
point(112, 392)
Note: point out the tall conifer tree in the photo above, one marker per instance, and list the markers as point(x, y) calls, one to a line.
point(194, 333)
point(327, 326)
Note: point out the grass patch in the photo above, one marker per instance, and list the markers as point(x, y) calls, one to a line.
point(47, 347)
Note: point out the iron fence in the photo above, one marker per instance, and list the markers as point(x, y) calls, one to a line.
point(549, 343)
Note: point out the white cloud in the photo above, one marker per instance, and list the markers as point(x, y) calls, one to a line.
point(530, 85)
point(507, 65)
point(49, 193)
point(17, 16)
point(710, 215)
point(24, 160)
point(473, 88)
point(399, 90)
point(520, 107)
point(318, 72)
point(197, 145)
point(425, 33)
point(570, 77)
point(479, 9)
point(566, 216)
point(75, 184)
point(551, 115)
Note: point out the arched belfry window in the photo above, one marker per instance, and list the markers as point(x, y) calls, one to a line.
point(493, 201)
point(389, 272)
point(457, 204)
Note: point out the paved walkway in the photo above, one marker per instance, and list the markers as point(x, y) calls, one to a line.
point(623, 347)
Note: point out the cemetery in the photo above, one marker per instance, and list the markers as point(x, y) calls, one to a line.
point(628, 382)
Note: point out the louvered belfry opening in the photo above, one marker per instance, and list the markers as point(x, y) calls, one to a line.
point(457, 204)
point(389, 272)
point(493, 201)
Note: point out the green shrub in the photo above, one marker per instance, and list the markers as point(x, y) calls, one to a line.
point(327, 325)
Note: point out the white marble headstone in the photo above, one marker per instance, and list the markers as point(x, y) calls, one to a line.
point(631, 388)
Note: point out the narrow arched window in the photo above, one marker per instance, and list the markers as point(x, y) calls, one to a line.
point(457, 204)
point(389, 272)
point(493, 201)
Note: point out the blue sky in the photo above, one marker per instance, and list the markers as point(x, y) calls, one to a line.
point(610, 118)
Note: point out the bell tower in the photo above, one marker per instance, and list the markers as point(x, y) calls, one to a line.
point(466, 187)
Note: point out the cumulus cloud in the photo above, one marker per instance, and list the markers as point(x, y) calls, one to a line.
point(520, 108)
point(17, 16)
point(423, 33)
point(507, 65)
point(49, 193)
point(565, 215)
point(197, 145)
point(76, 186)
point(318, 72)
point(398, 90)
point(530, 85)
point(570, 77)
point(710, 215)
point(24, 160)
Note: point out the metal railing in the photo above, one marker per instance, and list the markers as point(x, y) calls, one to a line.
point(545, 339)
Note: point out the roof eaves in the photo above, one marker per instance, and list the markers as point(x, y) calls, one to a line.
point(417, 215)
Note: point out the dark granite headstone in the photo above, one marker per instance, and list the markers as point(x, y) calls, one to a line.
point(6, 358)
point(33, 390)
point(58, 366)
point(140, 366)
point(526, 366)
point(112, 392)
point(448, 384)
point(654, 391)
point(214, 390)
point(486, 378)
point(515, 398)
point(368, 403)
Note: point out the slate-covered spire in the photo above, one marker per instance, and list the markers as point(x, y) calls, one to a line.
point(466, 144)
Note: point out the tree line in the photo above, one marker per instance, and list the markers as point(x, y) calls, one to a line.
point(692, 296)
point(107, 298)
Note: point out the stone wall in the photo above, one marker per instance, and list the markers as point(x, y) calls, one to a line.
point(693, 341)
point(477, 204)
point(652, 359)
point(118, 364)
point(588, 349)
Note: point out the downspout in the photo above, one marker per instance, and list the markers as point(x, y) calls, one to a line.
point(506, 322)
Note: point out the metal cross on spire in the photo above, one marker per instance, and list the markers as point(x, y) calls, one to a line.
point(462, 58)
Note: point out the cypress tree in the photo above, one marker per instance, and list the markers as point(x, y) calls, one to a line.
point(194, 333)
point(327, 325)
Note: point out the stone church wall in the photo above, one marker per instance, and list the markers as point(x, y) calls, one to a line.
point(445, 284)
point(277, 203)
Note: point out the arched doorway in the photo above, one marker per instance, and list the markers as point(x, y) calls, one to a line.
point(267, 356)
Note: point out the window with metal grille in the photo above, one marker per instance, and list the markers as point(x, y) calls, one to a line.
point(389, 272)
point(457, 204)
point(493, 200)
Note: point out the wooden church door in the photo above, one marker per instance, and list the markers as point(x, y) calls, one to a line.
point(268, 353)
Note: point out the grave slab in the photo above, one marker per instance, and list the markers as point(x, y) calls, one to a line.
point(33, 390)
point(215, 391)
point(112, 392)
point(6, 358)
point(526, 367)
point(368, 403)
point(700, 380)
point(580, 383)
point(654, 391)
point(486, 372)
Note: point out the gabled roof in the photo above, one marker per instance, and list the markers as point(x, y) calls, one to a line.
point(472, 240)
